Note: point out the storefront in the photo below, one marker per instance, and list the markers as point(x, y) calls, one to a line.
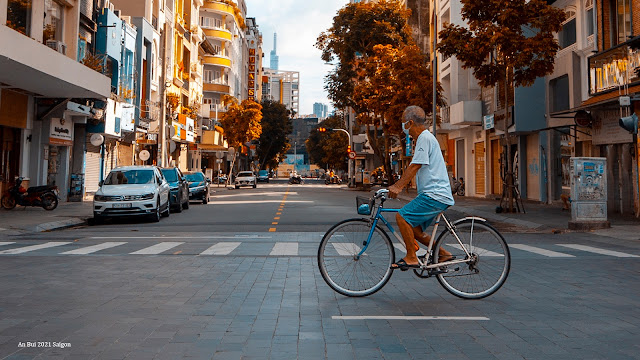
point(13, 121)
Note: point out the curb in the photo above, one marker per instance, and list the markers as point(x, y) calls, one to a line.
point(56, 225)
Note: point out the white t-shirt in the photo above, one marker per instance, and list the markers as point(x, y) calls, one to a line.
point(432, 178)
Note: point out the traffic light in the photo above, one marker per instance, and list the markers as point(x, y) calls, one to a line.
point(630, 123)
point(348, 149)
point(321, 129)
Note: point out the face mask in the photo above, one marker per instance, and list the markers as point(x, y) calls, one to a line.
point(405, 129)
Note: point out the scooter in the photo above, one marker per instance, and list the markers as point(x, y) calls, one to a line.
point(296, 179)
point(458, 187)
point(333, 180)
point(45, 196)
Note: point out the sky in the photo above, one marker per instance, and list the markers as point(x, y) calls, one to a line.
point(298, 24)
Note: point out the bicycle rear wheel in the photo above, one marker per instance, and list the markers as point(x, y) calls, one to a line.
point(487, 269)
point(339, 265)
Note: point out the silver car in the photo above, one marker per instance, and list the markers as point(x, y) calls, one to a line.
point(245, 178)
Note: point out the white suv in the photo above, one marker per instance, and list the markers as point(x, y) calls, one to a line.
point(132, 190)
point(245, 178)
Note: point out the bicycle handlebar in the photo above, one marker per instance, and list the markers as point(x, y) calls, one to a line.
point(382, 193)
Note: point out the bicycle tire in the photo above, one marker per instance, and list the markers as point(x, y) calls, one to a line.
point(375, 263)
point(481, 278)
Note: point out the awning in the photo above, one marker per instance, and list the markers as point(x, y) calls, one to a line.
point(211, 148)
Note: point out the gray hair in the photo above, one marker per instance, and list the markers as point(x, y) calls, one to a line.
point(414, 113)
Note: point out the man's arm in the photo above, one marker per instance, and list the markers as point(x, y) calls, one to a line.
point(408, 174)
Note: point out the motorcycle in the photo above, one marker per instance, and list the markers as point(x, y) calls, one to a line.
point(296, 179)
point(45, 196)
point(458, 187)
point(332, 180)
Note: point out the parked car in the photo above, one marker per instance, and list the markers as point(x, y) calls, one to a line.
point(263, 175)
point(132, 190)
point(198, 186)
point(245, 178)
point(179, 188)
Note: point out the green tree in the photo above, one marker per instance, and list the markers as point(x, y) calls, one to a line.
point(511, 42)
point(276, 126)
point(356, 29)
point(328, 148)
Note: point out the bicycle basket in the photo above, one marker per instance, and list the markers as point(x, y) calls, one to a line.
point(364, 205)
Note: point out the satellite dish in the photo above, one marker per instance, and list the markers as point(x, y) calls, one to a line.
point(172, 146)
point(96, 139)
point(172, 132)
point(153, 126)
point(232, 151)
point(219, 154)
point(144, 155)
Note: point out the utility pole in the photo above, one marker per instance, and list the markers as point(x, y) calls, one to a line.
point(434, 35)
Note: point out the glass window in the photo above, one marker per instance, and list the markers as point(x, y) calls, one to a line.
point(195, 177)
point(559, 93)
point(590, 27)
point(19, 16)
point(567, 35)
point(129, 177)
point(624, 20)
point(52, 27)
point(170, 175)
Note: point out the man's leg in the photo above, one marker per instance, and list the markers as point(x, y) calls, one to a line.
point(409, 240)
point(424, 238)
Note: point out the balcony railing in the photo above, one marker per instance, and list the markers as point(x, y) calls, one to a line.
point(445, 114)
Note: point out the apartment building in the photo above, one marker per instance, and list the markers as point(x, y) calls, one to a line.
point(282, 86)
point(47, 96)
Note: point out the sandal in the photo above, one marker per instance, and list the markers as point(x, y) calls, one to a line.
point(403, 266)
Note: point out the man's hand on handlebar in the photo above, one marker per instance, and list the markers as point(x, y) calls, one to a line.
point(394, 190)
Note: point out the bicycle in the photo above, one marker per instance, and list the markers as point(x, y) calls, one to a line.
point(355, 255)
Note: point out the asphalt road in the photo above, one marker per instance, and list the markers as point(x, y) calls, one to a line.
point(237, 278)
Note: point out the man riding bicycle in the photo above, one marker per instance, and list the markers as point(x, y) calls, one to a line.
point(432, 182)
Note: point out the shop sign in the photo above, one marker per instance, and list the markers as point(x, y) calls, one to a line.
point(190, 130)
point(487, 122)
point(61, 132)
point(607, 131)
point(127, 117)
point(613, 69)
point(112, 118)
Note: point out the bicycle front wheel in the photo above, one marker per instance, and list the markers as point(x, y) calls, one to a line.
point(346, 272)
point(487, 268)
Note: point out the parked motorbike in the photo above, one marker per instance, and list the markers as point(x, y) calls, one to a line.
point(296, 179)
point(332, 180)
point(458, 187)
point(45, 196)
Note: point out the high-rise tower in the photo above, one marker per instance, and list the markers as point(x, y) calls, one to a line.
point(274, 54)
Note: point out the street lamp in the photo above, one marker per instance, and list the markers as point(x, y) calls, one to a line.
point(351, 166)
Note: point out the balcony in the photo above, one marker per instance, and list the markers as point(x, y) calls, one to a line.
point(196, 71)
point(217, 88)
point(218, 34)
point(218, 60)
point(31, 66)
point(219, 7)
point(197, 35)
point(466, 113)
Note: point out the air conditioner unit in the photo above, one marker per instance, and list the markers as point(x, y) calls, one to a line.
point(58, 46)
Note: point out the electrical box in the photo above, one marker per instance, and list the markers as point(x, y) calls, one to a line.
point(588, 190)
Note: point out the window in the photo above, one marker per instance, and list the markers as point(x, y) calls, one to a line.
point(207, 76)
point(620, 21)
point(82, 49)
point(207, 101)
point(559, 93)
point(209, 22)
point(52, 27)
point(567, 35)
point(589, 8)
point(19, 16)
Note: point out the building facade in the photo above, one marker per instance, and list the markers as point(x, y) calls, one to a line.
point(283, 87)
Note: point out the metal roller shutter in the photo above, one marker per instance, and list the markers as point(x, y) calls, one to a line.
point(91, 167)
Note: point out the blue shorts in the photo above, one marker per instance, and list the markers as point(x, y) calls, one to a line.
point(421, 211)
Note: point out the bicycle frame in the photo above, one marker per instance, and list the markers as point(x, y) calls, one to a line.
point(423, 264)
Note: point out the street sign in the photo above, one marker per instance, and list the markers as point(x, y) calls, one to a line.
point(488, 122)
point(352, 155)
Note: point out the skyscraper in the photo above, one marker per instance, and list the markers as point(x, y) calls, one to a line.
point(320, 110)
point(274, 54)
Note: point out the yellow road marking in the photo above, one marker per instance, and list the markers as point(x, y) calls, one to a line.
point(177, 252)
point(272, 229)
point(276, 218)
point(278, 213)
point(274, 223)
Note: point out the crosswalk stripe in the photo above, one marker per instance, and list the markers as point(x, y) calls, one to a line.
point(346, 249)
point(597, 250)
point(479, 250)
point(92, 249)
point(285, 248)
point(7, 242)
point(221, 248)
point(540, 251)
point(157, 248)
point(26, 249)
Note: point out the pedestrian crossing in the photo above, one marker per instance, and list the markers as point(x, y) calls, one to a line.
point(261, 247)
